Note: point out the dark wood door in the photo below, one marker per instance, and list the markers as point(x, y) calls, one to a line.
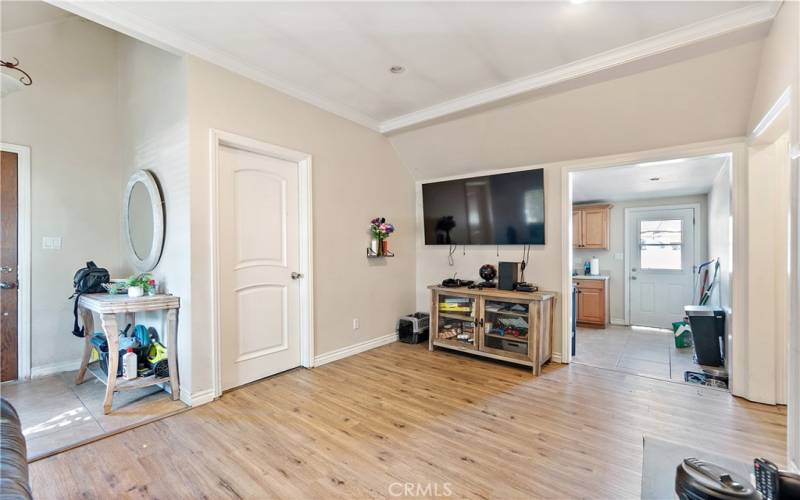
point(8, 266)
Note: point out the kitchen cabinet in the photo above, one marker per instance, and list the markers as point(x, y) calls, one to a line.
point(592, 305)
point(590, 226)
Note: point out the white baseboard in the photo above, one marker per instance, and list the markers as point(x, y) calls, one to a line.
point(555, 357)
point(198, 398)
point(618, 322)
point(53, 368)
point(354, 349)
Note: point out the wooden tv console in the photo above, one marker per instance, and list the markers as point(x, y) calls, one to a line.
point(516, 327)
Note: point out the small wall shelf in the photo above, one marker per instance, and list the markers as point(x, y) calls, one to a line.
point(373, 255)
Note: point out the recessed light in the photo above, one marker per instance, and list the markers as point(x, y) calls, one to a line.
point(396, 69)
point(655, 178)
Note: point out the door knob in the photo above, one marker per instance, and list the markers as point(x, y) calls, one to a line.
point(296, 276)
point(5, 285)
point(6, 269)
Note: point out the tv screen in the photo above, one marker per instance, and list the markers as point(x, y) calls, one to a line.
point(502, 209)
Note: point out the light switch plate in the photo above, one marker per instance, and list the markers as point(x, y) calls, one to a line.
point(51, 243)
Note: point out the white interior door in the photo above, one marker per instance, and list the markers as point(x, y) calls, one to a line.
point(661, 246)
point(258, 253)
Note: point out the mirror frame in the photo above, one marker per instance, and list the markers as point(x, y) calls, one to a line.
point(149, 182)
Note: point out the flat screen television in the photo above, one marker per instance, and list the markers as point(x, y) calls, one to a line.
point(501, 209)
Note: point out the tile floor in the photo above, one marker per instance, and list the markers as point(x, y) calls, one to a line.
point(651, 353)
point(58, 414)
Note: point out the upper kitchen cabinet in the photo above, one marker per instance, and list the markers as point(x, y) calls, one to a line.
point(590, 226)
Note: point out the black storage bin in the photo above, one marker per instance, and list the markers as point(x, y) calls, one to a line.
point(708, 334)
point(101, 345)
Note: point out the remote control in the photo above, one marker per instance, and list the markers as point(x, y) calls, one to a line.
point(766, 474)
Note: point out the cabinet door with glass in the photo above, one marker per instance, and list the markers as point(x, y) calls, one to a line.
point(506, 326)
point(455, 322)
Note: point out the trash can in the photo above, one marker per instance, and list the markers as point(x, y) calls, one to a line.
point(708, 334)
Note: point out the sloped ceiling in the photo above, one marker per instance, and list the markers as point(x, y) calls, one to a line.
point(665, 101)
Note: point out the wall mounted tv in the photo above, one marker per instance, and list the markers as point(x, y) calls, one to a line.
point(501, 209)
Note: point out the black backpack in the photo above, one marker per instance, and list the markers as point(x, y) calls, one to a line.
point(90, 279)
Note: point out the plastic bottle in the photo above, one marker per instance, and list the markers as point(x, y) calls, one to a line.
point(129, 368)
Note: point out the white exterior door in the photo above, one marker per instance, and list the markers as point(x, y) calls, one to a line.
point(259, 300)
point(661, 249)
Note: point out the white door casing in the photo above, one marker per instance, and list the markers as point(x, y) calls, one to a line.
point(661, 257)
point(261, 239)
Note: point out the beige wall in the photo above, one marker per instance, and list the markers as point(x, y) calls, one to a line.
point(768, 203)
point(779, 60)
point(615, 268)
point(153, 135)
point(544, 265)
point(699, 99)
point(69, 120)
point(356, 176)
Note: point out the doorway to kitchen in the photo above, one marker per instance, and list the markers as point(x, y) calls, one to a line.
point(643, 235)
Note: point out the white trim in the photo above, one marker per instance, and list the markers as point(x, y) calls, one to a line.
point(555, 357)
point(53, 368)
point(348, 351)
point(709, 28)
point(198, 398)
point(23, 257)
point(218, 138)
point(698, 227)
point(118, 18)
point(618, 322)
point(734, 146)
point(772, 114)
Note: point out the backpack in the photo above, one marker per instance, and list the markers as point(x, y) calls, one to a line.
point(90, 279)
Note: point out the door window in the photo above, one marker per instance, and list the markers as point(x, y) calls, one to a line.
point(661, 244)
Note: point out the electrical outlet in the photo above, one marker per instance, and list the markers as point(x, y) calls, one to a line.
point(51, 243)
point(356, 324)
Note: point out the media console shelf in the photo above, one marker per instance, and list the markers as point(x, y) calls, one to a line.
point(510, 326)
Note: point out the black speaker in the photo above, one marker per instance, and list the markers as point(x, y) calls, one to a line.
point(509, 274)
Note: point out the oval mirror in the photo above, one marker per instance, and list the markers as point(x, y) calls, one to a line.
point(144, 220)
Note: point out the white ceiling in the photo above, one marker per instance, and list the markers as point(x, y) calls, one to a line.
point(457, 55)
point(16, 15)
point(680, 177)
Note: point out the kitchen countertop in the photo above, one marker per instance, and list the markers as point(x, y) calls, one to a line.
point(589, 277)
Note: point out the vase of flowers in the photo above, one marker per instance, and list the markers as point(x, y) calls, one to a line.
point(380, 230)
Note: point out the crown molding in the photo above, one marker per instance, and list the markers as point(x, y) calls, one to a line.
point(731, 21)
point(113, 15)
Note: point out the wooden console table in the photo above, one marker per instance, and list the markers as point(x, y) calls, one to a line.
point(516, 327)
point(108, 306)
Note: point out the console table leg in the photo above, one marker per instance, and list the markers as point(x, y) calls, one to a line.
point(87, 318)
point(111, 329)
point(172, 357)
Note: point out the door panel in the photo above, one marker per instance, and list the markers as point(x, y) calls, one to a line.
point(590, 306)
point(8, 266)
point(594, 228)
point(577, 231)
point(661, 249)
point(258, 251)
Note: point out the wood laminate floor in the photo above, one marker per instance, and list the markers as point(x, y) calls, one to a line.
point(400, 414)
